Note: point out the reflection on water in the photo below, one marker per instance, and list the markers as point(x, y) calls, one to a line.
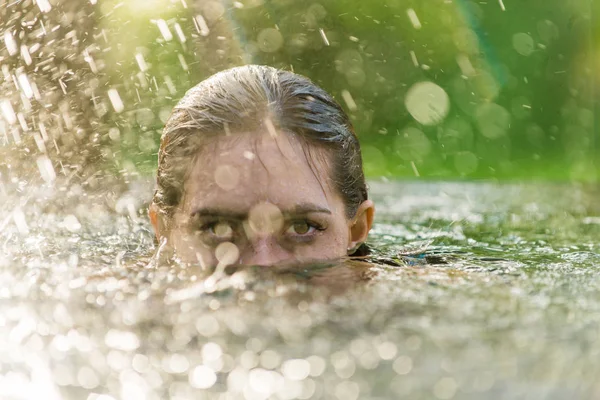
point(473, 291)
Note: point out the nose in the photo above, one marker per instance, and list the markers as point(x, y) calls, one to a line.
point(264, 251)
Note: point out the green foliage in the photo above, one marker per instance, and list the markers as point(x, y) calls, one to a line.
point(517, 77)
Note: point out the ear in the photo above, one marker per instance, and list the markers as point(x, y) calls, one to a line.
point(156, 220)
point(361, 224)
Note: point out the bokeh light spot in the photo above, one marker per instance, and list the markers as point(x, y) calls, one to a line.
point(270, 40)
point(427, 102)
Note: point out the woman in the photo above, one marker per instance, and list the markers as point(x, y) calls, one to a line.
point(259, 166)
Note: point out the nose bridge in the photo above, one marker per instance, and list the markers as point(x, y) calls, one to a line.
point(264, 250)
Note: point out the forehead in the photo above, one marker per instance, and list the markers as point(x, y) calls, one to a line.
point(239, 171)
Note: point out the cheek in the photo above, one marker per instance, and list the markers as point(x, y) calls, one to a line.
point(332, 244)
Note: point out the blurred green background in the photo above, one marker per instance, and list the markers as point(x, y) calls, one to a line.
point(436, 89)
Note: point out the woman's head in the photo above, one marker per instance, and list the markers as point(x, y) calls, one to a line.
point(264, 161)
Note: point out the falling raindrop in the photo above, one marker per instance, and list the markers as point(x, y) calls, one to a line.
point(115, 100)
point(25, 86)
point(350, 103)
point(46, 169)
point(139, 57)
point(324, 37)
point(164, 30)
point(414, 19)
point(20, 221)
point(44, 5)
point(179, 32)
point(8, 111)
point(11, 44)
point(201, 25)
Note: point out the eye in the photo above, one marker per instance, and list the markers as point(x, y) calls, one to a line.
point(218, 230)
point(302, 228)
point(222, 230)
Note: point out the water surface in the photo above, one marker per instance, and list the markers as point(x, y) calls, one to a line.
point(480, 290)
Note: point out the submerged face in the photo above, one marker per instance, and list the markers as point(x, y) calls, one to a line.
point(258, 199)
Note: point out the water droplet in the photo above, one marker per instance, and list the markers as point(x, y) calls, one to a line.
point(46, 169)
point(374, 160)
point(265, 218)
point(402, 365)
point(164, 30)
point(114, 134)
point(227, 177)
point(387, 350)
point(202, 377)
point(349, 100)
point(347, 390)
point(207, 325)
point(414, 19)
point(227, 253)
point(445, 388)
point(535, 135)
point(466, 41)
point(20, 222)
point(465, 162)
point(492, 120)
point(176, 364)
point(523, 43)
point(8, 112)
point(547, 30)
point(121, 340)
point(179, 32)
point(25, 85)
point(211, 351)
point(139, 57)
point(201, 25)
point(427, 103)
point(270, 359)
point(296, 369)
point(182, 61)
point(464, 63)
point(269, 40)
point(26, 55)
point(324, 37)
point(412, 144)
point(44, 5)
point(317, 365)
point(87, 378)
point(11, 44)
point(115, 100)
point(213, 10)
point(262, 382)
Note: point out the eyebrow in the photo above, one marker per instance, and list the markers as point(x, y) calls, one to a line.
point(299, 209)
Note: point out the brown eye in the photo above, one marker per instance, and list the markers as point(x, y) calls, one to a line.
point(301, 227)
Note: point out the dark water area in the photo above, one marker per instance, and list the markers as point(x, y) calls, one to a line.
point(474, 290)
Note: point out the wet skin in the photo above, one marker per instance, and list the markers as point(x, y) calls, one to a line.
point(261, 199)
